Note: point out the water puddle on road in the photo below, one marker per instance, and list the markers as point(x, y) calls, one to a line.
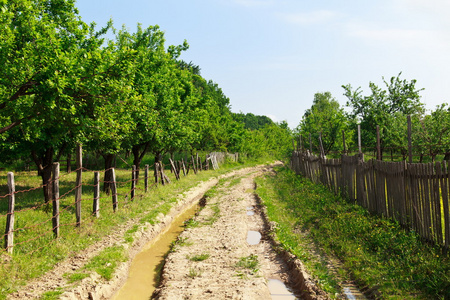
point(145, 270)
point(253, 237)
point(279, 291)
point(250, 211)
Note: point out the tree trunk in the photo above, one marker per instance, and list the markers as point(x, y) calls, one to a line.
point(109, 162)
point(138, 156)
point(44, 164)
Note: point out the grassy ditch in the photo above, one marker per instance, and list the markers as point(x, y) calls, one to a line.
point(375, 252)
point(36, 251)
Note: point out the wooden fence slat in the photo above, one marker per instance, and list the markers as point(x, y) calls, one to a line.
point(437, 202)
point(445, 204)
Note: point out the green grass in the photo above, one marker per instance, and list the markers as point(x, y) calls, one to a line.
point(74, 277)
point(199, 257)
point(36, 251)
point(376, 252)
point(194, 273)
point(214, 217)
point(51, 295)
point(106, 261)
point(251, 263)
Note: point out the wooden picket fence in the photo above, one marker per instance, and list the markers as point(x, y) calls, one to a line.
point(416, 195)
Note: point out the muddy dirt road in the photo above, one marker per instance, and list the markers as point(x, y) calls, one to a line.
point(224, 253)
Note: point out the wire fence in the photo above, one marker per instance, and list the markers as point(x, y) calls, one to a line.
point(30, 223)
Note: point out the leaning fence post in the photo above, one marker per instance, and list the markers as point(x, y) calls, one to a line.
point(193, 164)
point(78, 184)
point(146, 178)
point(55, 218)
point(9, 230)
point(114, 189)
point(133, 182)
point(96, 202)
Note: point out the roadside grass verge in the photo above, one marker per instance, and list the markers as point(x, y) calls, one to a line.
point(375, 252)
point(36, 251)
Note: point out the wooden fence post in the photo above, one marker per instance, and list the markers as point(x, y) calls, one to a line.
point(359, 138)
point(133, 182)
point(9, 230)
point(78, 184)
point(156, 172)
point(96, 202)
point(182, 167)
point(114, 190)
point(174, 169)
point(322, 151)
point(410, 140)
point(146, 178)
point(193, 164)
point(55, 202)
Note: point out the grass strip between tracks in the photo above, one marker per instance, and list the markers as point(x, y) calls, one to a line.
point(375, 252)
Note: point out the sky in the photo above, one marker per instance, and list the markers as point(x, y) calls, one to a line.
point(271, 56)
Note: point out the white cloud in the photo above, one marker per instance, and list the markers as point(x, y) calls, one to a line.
point(313, 17)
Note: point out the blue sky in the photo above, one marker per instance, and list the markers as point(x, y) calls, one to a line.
point(271, 56)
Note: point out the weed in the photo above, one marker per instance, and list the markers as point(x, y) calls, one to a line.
point(73, 277)
point(128, 237)
point(194, 273)
point(191, 223)
point(249, 262)
point(52, 295)
point(199, 257)
point(184, 241)
point(215, 216)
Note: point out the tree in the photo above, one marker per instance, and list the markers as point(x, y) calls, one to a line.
point(401, 98)
point(434, 132)
point(327, 118)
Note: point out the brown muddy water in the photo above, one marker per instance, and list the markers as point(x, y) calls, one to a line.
point(145, 269)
